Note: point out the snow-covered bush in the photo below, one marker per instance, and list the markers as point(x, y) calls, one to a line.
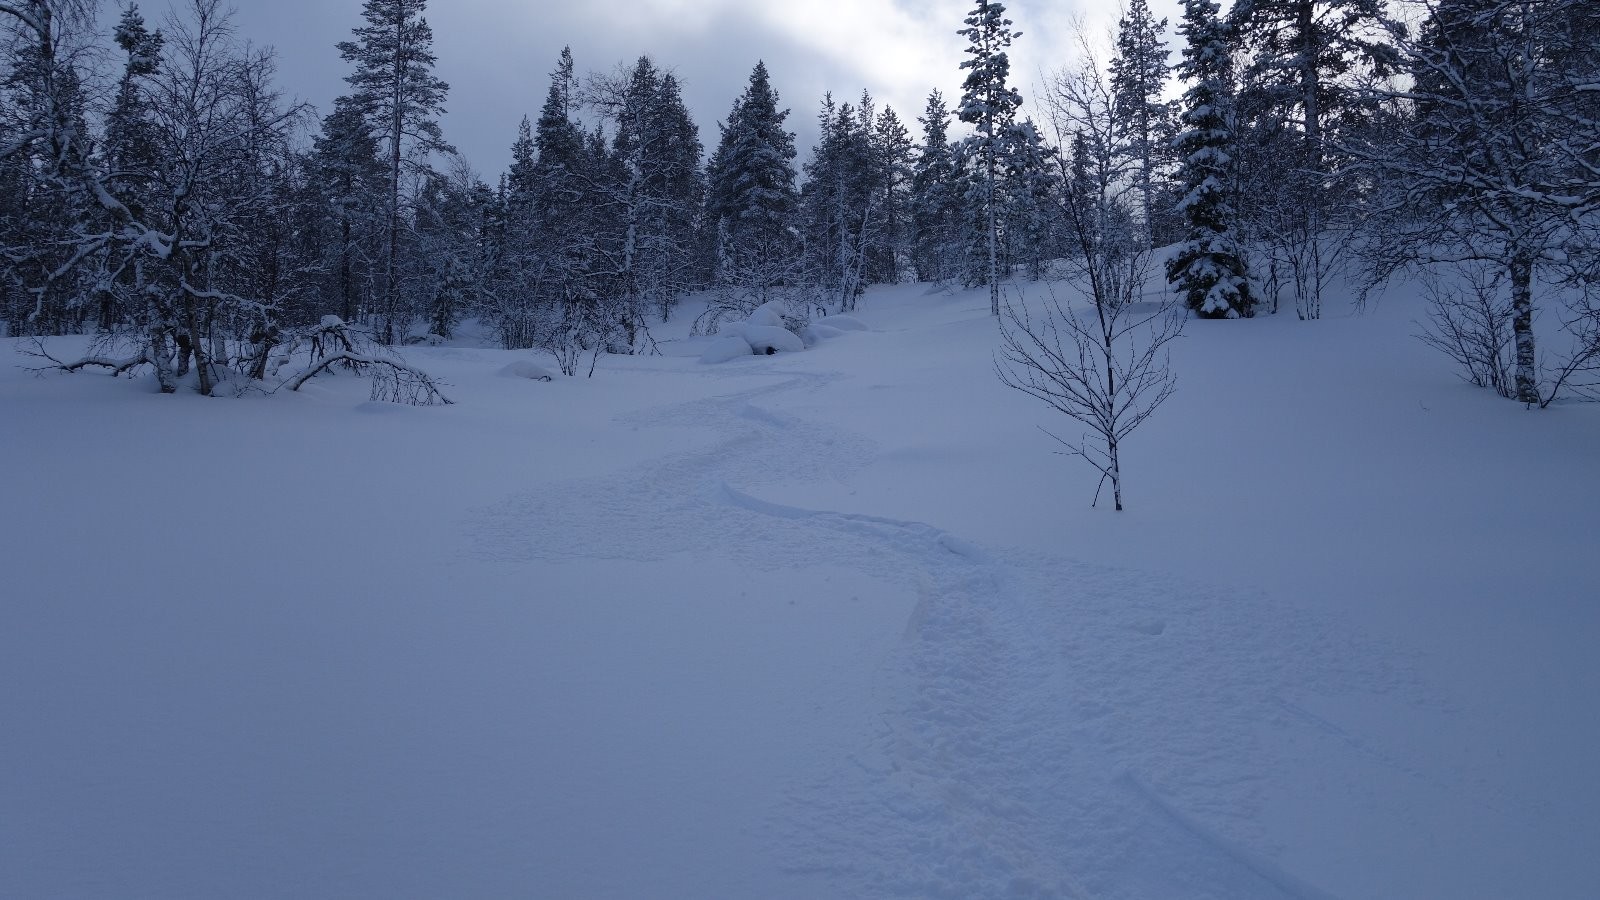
point(769, 339)
point(767, 330)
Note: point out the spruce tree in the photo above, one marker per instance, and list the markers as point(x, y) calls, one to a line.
point(1032, 186)
point(649, 187)
point(561, 234)
point(990, 105)
point(1209, 270)
point(750, 191)
point(396, 89)
point(935, 196)
point(348, 172)
point(843, 201)
point(894, 150)
point(130, 145)
point(131, 149)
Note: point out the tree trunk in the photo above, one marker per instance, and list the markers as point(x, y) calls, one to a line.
point(347, 306)
point(1522, 328)
point(391, 301)
point(1311, 82)
point(994, 236)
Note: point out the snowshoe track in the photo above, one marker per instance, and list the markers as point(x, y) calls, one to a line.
point(1014, 756)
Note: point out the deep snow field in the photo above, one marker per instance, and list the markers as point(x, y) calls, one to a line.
point(838, 623)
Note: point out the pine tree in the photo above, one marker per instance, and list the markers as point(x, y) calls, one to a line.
point(1209, 270)
point(1304, 56)
point(989, 104)
point(1138, 78)
point(396, 89)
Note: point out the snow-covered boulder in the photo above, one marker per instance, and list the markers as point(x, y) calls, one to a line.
point(527, 368)
point(729, 346)
point(770, 338)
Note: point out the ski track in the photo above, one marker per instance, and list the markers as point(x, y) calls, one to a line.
point(1051, 728)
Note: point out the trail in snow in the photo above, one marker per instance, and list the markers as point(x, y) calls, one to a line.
point(1049, 729)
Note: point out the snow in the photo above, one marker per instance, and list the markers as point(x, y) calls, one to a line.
point(768, 338)
point(840, 624)
point(842, 323)
point(726, 348)
point(769, 314)
point(527, 368)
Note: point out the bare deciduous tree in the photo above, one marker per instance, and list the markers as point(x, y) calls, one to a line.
point(1107, 364)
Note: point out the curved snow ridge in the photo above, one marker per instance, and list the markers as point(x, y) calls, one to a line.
point(1273, 877)
point(899, 530)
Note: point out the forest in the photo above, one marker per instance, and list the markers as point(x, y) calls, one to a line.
point(166, 197)
point(679, 512)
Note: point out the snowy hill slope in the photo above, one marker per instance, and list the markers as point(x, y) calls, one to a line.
point(836, 623)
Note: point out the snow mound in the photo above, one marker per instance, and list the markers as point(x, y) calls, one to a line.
point(770, 338)
point(525, 368)
point(728, 347)
point(843, 323)
point(761, 334)
point(815, 334)
point(770, 314)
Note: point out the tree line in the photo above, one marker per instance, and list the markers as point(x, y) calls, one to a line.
point(169, 199)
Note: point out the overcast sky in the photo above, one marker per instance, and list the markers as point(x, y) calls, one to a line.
point(497, 54)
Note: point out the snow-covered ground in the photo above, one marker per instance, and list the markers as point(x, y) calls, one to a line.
point(826, 624)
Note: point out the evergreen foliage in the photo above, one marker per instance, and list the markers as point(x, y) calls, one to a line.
point(751, 198)
point(936, 198)
point(989, 104)
point(395, 88)
point(1209, 270)
point(1142, 117)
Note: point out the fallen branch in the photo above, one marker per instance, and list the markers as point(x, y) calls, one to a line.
point(427, 392)
point(116, 365)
